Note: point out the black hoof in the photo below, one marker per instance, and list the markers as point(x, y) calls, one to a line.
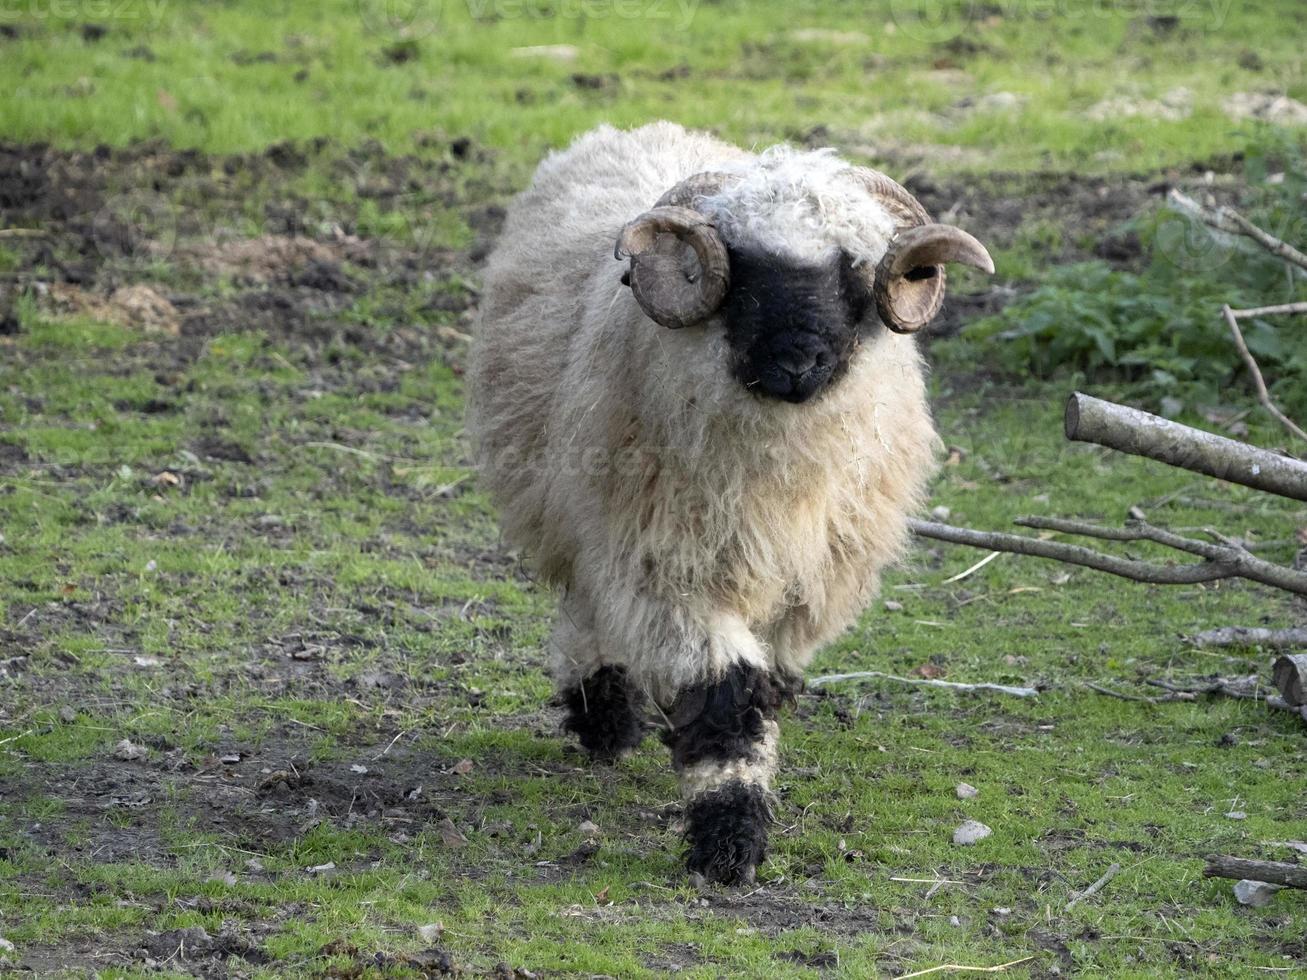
point(727, 832)
point(604, 712)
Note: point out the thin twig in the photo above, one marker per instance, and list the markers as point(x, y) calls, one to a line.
point(1270, 310)
point(1259, 383)
point(23, 233)
point(1119, 694)
point(1112, 871)
point(974, 568)
point(955, 968)
point(1020, 692)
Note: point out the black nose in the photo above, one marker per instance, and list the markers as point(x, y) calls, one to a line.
point(796, 361)
point(780, 379)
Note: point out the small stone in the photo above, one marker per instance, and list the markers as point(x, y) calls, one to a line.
point(129, 751)
point(970, 831)
point(1236, 815)
point(1254, 893)
point(554, 52)
point(431, 931)
point(953, 920)
point(588, 827)
point(941, 513)
point(451, 835)
point(966, 791)
point(358, 768)
point(462, 767)
point(223, 877)
point(892, 606)
point(319, 869)
point(68, 714)
point(6, 946)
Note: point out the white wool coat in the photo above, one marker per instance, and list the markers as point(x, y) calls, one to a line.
point(689, 523)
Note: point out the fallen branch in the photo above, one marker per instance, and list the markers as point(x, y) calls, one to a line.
point(1243, 689)
point(1272, 872)
point(1020, 692)
point(1140, 433)
point(1112, 871)
point(1239, 636)
point(1270, 310)
point(1120, 695)
point(1255, 372)
point(1232, 222)
point(1224, 561)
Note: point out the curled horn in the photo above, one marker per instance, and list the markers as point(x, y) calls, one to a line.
point(909, 287)
point(679, 268)
point(908, 284)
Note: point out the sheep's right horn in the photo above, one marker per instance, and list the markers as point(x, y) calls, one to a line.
point(679, 266)
point(909, 288)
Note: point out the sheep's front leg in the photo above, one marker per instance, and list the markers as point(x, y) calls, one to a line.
point(605, 713)
point(604, 708)
point(724, 748)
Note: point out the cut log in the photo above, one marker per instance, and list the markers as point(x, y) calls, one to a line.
point(1290, 678)
point(1273, 872)
point(1130, 430)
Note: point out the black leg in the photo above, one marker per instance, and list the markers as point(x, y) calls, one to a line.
point(604, 711)
point(724, 744)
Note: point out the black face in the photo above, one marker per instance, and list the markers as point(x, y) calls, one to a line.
point(792, 328)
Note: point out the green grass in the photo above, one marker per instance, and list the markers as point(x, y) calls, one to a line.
point(1071, 782)
point(259, 552)
point(892, 77)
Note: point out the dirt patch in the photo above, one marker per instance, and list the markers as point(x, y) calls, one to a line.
point(138, 306)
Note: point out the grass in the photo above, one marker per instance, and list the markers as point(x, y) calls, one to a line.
point(895, 78)
point(258, 551)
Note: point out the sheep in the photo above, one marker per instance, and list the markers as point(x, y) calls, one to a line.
point(711, 446)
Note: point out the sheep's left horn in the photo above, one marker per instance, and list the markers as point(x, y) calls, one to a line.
point(909, 288)
point(679, 266)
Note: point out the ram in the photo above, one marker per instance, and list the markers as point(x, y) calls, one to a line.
point(709, 446)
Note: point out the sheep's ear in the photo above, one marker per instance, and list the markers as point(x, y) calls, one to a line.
point(679, 267)
point(909, 284)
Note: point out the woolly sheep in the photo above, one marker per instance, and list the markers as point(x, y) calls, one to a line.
point(711, 446)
